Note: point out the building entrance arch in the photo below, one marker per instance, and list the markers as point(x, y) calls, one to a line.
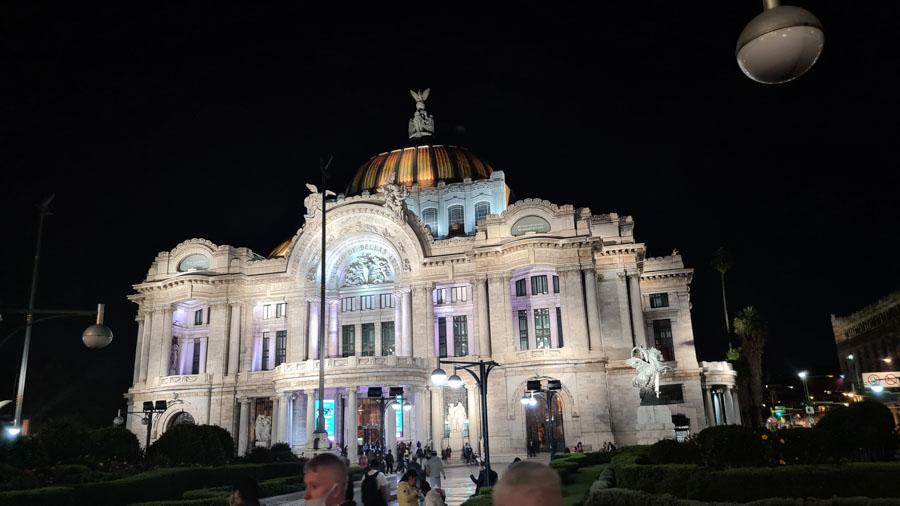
point(538, 426)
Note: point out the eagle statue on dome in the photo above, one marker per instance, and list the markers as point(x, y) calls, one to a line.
point(422, 123)
point(313, 201)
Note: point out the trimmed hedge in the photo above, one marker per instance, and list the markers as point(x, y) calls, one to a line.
point(158, 485)
point(727, 446)
point(627, 497)
point(189, 444)
point(669, 451)
point(565, 469)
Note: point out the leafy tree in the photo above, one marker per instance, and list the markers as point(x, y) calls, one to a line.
point(723, 261)
point(752, 329)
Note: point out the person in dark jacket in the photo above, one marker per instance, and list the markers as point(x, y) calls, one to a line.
point(481, 480)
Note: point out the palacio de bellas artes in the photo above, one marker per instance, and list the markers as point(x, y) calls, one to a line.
point(427, 258)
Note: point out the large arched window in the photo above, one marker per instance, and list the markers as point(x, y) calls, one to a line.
point(456, 217)
point(482, 210)
point(182, 418)
point(429, 216)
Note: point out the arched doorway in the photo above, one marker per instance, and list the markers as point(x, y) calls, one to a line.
point(537, 423)
point(182, 418)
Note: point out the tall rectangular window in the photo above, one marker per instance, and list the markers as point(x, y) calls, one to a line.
point(542, 328)
point(520, 288)
point(279, 310)
point(456, 216)
point(280, 347)
point(198, 317)
point(387, 338)
point(482, 210)
point(439, 296)
point(347, 304)
point(195, 363)
point(442, 337)
point(367, 302)
point(460, 336)
point(538, 285)
point(662, 335)
point(430, 217)
point(523, 330)
point(267, 311)
point(555, 284)
point(348, 340)
point(559, 335)
point(659, 300)
point(368, 339)
point(208, 312)
point(265, 352)
point(387, 300)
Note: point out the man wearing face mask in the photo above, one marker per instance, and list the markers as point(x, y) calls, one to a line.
point(326, 477)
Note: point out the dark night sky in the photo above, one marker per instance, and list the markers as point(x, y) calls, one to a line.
point(154, 126)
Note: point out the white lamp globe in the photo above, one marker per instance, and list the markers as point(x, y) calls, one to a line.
point(407, 406)
point(532, 402)
point(780, 44)
point(438, 376)
point(455, 381)
point(525, 400)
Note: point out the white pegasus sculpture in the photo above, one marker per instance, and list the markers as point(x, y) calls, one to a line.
point(648, 363)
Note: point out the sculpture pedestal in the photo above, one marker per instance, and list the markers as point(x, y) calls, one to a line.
point(318, 443)
point(654, 423)
point(456, 442)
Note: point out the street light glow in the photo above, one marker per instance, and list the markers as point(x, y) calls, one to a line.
point(455, 381)
point(438, 376)
point(13, 431)
point(802, 375)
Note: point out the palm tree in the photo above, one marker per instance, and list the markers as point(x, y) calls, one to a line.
point(751, 328)
point(722, 261)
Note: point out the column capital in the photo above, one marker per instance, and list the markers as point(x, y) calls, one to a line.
point(588, 269)
point(422, 287)
point(235, 301)
point(402, 290)
point(244, 400)
point(332, 301)
point(480, 277)
point(313, 300)
point(632, 273)
point(218, 303)
point(499, 276)
point(566, 269)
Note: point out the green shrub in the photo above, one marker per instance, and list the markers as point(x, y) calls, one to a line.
point(626, 497)
point(224, 437)
point(673, 479)
point(207, 493)
point(189, 444)
point(669, 451)
point(863, 431)
point(63, 439)
point(479, 501)
point(597, 458)
point(565, 469)
point(281, 452)
point(728, 446)
point(113, 443)
point(630, 455)
point(799, 446)
point(486, 491)
point(607, 479)
point(281, 486)
point(169, 484)
point(27, 453)
point(260, 454)
point(47, 496)
point(209, 501)
point(13, 478)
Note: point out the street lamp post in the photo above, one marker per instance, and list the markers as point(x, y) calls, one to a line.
point(96, 336)
point(854, 372)
point(553, 386)
point(150, 408)
point(438, 377)
point(805, 388)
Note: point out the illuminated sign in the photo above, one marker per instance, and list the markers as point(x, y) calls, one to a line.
point(195, 262)
point(882, 379)
point(329, 417)
point(530, 224)
point(398, 416)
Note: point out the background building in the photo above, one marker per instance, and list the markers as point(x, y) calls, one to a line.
point(426, 259)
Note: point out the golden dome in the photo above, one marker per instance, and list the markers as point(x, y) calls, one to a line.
point(423, 165)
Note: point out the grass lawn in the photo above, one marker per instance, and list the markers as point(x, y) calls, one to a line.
point(576, 492)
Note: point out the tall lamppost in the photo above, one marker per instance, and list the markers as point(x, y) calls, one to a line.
point(534, 387)
point(321, 434)
point(96, 336)
point(439, 377)
point(802, 375)
point(854, 372)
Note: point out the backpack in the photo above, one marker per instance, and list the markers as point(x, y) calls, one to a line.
point(371, 496)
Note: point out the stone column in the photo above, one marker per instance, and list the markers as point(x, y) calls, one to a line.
point(437, 416)
point(574, 305)
point(313, 337)
point(710, 411)
point(736, 405)
point(357, 340)
point(296, 319)
point(145, 343)
point(501, 314)
point(285, 423)
point(166, 341)
point(406, 315)
point(474, 414)
point(212, 353)
point(310, 414)
point(718, 409)
point(289, 426)
point(637, 309)
point(421, 421)
point(234, 339)
point(244, 426)
point(247, 337)
point(139, 347)
point(275, 436)
point(729, 406)
point(204, 349)
point(334, 328)
point(482, 318)
point(351, 422)
point(595, 342)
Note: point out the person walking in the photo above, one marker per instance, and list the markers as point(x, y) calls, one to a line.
point(374, 486)
point(407, 493)
point(389, 462)
point(434, 469)
point(482, 480)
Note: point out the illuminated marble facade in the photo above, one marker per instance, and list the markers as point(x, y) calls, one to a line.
point(549, 291)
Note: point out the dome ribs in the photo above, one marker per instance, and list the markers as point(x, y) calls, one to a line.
point(406, 175)
point(424, 167)
point(463, 168)
point(444, 166)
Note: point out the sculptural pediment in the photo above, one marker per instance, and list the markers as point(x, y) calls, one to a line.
point(368, 269)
